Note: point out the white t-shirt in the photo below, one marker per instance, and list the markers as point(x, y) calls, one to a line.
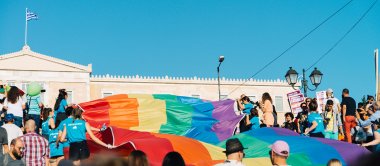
point(16, 108)
point(230, 163)
point(336, 103)
point(13, 132)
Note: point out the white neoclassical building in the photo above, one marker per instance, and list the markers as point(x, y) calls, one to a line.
point(25, 66)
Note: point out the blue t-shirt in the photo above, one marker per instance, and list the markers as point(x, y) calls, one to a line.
point(62, 106)
point(60, 128)
point(76, 131)
point(247, 108)
point(45, 127)
point(317, 118)
point(255, 122)
point(33, 102)
point(54, 149)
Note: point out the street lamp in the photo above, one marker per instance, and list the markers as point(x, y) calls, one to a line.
point(292, 77)
point(221, 59)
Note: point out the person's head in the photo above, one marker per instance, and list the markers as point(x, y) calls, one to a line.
point(307, 101)
point(17, 148)
point(279, 152)
point(138, 157)
point(329, 93)
point(234, 149)
point(13, 94)
point(329, 105)
point(370, 98)
point(313, 106)
point(242, 95)
point(77, 113)
point(254, 112)
point(334, 162)
point(345, 92)
point(9, 118)
point(266, 96)
point(360, 105)
point(376, 106)
point(173, 158)
point(303, 106)
point(30, 125)
point(245, 99)
point(46, 112)
point(289, 117)
point(69, 111)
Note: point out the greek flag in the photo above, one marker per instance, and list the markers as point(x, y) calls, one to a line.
point(31, 16)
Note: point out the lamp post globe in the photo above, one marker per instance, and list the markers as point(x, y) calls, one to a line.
point(291, 76)
point(316, 77)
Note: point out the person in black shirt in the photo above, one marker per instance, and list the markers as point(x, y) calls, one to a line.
point(349, 113)
point(301, 119)
point(289, 124)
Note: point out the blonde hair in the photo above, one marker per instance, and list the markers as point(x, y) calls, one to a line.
point(334, 162)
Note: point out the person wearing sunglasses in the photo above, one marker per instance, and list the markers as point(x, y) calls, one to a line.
point(14, 157)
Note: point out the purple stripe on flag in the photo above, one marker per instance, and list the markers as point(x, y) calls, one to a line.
point(224, 113)
point(349, 152)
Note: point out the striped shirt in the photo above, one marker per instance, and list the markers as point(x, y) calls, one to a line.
point(36, 149)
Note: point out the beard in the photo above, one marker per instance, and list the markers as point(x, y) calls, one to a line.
point(16, 155)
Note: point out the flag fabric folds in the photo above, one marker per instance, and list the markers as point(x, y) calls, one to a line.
point(31, 16)
point(198, 129)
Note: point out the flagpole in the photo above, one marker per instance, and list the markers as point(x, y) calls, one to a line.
point(26, 25)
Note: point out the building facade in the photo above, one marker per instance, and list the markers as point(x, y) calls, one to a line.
point(25, 66)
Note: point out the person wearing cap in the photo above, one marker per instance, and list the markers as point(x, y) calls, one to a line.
point(279, 153)
point(234, 152)
point(13, 130)
point(330, 96)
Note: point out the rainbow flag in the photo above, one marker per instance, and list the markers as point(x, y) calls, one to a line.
point(198, 129)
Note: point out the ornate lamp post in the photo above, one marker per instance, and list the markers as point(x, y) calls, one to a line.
point(315, 77)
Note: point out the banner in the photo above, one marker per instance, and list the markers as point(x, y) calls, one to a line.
point(295, 99)
point(321, 95)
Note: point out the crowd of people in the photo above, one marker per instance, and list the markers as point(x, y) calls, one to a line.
point(32, 134)
point(345, 120)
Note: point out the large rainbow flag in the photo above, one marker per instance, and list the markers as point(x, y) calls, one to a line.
point(198, 129)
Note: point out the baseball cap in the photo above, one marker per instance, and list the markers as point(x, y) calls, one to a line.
point(9, 117)
point(281, 148)
point(329, 90)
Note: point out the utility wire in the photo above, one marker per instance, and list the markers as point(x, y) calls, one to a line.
point(298, 41)
point(344, 36)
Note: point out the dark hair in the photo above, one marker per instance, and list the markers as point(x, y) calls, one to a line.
point(313, 105)
point(289, 114)
point(45, 113)
point(69, 111)
point(77, 113)
point(266, 96)
point(254, 112)
point(173, 158)
point(346, 91)
point(138, 158)
point(303, 103)
point(61, 96)
point(330, 102)
point(13, 94)
point(360, 105)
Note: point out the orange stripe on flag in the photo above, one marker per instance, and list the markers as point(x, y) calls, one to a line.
point(123, 111)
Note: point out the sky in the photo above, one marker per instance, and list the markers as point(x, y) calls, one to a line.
point(186, 37)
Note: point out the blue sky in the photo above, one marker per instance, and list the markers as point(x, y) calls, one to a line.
point(185, 38)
